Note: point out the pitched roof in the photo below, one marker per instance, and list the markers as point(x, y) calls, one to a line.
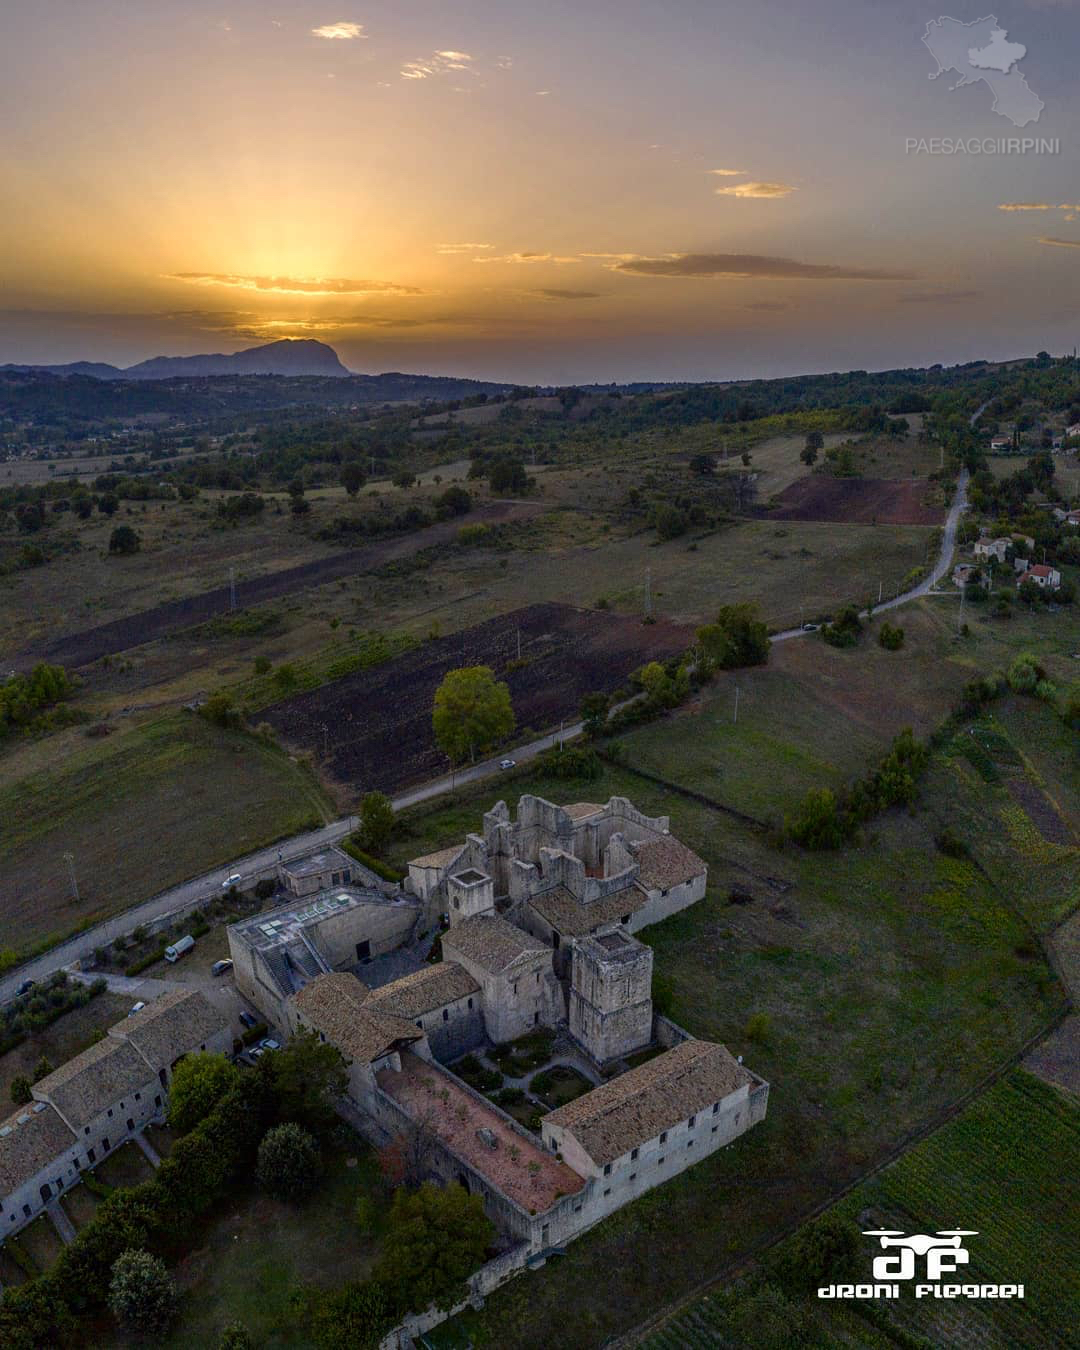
point(171, 1026)
point(489, 941)
point(29, 1141)
point(627, 1111)
point(87, 1085)
point(442, 858)
point(570, 918)
point(1041, 570)
point(665, 863)
point(424, 990)
point(334, 1004)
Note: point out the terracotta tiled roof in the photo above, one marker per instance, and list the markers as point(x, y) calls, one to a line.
point(29, 1140)
point(100, 1077)
point(665, 863)
point(424, 990)
point(490, 942)
point(627, 1111)
point(570, 918)
point(334, 1005)
point(170, 1026)
point(517, 1166)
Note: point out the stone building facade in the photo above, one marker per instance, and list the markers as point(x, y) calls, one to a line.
point(611, 1013)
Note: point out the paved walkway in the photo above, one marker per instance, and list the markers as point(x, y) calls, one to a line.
point(60, 1221)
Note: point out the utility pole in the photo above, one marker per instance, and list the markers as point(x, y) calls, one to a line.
point(648, 592)
point(326, 740)
point(69, 858)
point(880, 588)
point(960, 620)
point(736, 717)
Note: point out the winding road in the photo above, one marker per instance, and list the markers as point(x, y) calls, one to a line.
point(264, 862)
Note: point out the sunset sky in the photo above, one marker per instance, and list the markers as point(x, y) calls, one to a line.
point(558, 192)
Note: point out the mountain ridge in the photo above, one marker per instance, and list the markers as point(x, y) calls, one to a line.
point(287, 356)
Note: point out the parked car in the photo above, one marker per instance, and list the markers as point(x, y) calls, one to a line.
point(810, 627)
point(232, 881)
point(257, 1053)
point(136, 1008)
point(221, 967)
point(507, 763)
point(249, 1019)
point(269, 1044)
point(24, 988)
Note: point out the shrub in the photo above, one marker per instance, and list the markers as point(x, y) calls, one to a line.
point(947, 841)
point(142, 1297)
point(265, 888)
point(670, 522)
point(739, 637)
point(288, 1163)
point(891, 637)
point(571, 763)
point(199, 1083)
point(821, 1252)
point(757, 1027)
point(817, 823)
point(381, 869)
point(1024, 674)
point(20, 1090)
point(376, 821)
point(124, 541)
point(845, 629)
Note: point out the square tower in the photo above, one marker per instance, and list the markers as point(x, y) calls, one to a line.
point(470, 892)
point(611, 995)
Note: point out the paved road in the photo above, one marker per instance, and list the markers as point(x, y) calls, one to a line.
point(265, 861)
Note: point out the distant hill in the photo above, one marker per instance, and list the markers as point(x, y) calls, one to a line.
point(300, 356)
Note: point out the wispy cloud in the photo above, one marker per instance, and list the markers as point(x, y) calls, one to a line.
point(528, 258)
point(1027, 206)
point(295, 285)
point(1060, 243)
point(938, 297)
point(757, 190)
point(461, 248)
point(767, 305)
point(438, 63)
point(342, 31)
point(725, 173)
point(743, 265)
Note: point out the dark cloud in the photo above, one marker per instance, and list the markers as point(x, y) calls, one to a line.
point(555, 293)
point(750, 265)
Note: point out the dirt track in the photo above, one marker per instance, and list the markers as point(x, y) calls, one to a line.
point(378, 721)
point(857, 501)
point(80, 649)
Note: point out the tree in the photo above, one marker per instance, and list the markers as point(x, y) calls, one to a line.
point(891, 636)
point(472, 712)
point(376, 820)
point(308, 1077)
point(404, 478)
point(702, 464)
point(353, 477)
point(199, 1083)
point(234, 1336)
point(42, 1068)
point(299, 506)
point(594, 711)
point(508, 475)
point(437, 1237)
point(821, 1252)
point(739, 637)
point(142, 1297)
point(407, 1159)
point(670, 521)
point(288, 1162)
point(124, 541)
point(108, 503)
point(20, 1090)
point(455, 501)
point(817, 823)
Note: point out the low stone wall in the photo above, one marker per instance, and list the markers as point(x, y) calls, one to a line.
point(481, 1283)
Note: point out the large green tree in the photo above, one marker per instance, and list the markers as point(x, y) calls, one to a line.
point(199, 1083)
point(437, 1237)
point(142, 1296)
point(308, 1076)
point(288, 1163)
point(738, 638)
point(376, 820)
point(472, 712)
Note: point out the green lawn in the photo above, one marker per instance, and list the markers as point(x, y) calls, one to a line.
point(1008, 1168)
point(67, 1036)
point(140, 810)
point(253, 1254)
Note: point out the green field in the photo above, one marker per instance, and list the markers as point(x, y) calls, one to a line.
point(140, 810)
point(1008, 1168)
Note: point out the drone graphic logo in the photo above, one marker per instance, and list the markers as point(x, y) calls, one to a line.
point(944, 1252)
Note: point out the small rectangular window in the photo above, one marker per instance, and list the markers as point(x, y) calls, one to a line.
point(660, 1162)
point(470, 1003)
point(110, 1110)
point(716, 1108)
point(715, 1128)
point(607, 1169)
point(608, 1191)
point(633, 1176)
point(689, 1143)
point(446, 1014)
point(691, 1122)
point(663, 1137)
point(633, 1155)
point(91, 1155)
